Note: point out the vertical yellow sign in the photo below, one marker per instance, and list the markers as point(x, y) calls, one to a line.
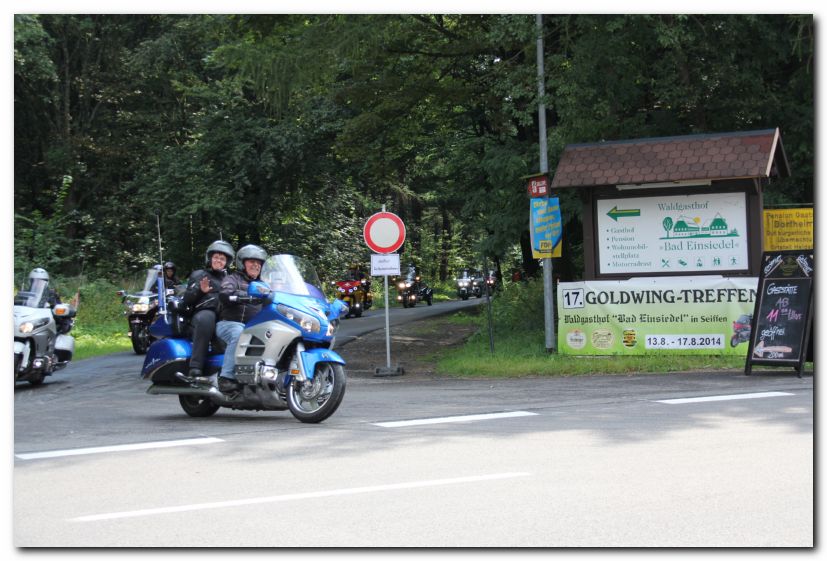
point(789, 228)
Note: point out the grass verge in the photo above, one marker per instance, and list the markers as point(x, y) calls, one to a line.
point(520, 354)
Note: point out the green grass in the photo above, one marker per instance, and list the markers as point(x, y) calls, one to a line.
point(524, 354)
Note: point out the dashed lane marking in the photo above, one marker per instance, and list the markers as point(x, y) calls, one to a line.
point(722, 397)
point(299, 496)
point(456, 419)
point(117, 448)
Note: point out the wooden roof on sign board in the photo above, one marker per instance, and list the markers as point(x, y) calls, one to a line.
point(717, 156)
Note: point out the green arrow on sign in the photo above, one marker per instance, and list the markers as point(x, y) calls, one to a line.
point(615, 214)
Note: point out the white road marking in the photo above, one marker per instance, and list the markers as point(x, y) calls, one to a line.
point(298, 496)
point(723, 397)
point(457, 419)
point(118, 448)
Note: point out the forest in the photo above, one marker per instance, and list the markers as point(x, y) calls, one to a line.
point(290, 130)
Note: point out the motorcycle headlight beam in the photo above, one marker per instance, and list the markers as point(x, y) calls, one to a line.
point(29, 326)
point(307, 322)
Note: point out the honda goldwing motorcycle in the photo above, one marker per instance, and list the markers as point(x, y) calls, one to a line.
point(354, 293)
point(467, 286)
point(140, 308)
point(42, 344)
point(412, 290)
point(284, 358)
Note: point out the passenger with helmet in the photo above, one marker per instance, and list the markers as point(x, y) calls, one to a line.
point(38, 288)
point(170, 280)
point(201, 295)
point(236, 310)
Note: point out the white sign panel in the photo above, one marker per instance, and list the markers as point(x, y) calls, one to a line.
point(673, 234)
point(384, 264)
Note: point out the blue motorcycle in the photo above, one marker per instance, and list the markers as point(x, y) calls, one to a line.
point(284, 358)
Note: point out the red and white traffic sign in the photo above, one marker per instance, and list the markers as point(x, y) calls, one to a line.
point(384, 232)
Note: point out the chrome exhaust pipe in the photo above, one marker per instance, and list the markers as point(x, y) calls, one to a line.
point(206, 391)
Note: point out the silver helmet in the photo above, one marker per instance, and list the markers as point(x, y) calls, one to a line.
point(220, 246)
point(39, 273)
point(250, 251)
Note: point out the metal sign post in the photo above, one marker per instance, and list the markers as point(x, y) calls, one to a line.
point(384, 233)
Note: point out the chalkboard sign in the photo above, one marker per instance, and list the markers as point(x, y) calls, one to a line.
point(781, 322)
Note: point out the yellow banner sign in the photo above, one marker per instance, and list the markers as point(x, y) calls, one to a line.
point(789, 228)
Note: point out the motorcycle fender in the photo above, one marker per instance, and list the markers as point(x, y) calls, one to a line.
point(65, 343)
point(314, 356)
point(163, 352)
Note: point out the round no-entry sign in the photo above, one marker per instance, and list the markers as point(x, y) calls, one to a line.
point(384, 232)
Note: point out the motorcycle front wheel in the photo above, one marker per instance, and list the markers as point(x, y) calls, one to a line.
point(140, 340)
point(196, 406)
point(316, 400)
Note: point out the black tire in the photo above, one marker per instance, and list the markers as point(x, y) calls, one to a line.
point(319, 400)
point(733, 342)
point(430, 300)
point(36, 379)
point(465, 297)
point(140, 340)
point(197, 406)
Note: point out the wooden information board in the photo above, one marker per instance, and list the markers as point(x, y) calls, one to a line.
point(781, 322)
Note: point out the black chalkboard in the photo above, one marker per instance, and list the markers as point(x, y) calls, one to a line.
point(781, 321)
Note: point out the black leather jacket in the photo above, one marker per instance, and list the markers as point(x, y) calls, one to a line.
point(235, 284)
point(198, 300)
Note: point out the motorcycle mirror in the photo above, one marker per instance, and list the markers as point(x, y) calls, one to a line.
point(121, 292)
point(258, 289)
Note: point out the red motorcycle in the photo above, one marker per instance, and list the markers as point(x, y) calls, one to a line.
point(354, 293)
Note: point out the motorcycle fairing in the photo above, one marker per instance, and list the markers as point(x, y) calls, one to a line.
point(306, 304)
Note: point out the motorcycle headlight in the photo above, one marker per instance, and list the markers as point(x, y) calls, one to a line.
point(140, 308)
point(463, 284)
point(307, 322)
point(401, 285)
point(29, 326)
point(407, 285)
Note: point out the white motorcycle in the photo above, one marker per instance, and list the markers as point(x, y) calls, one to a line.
point(42, 343)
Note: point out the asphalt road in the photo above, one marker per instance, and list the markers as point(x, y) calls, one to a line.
point(565, 462)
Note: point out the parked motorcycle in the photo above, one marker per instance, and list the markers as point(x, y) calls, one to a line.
point(742, 329)
point(356, 294)
point(284, 357)
point(42, 344)
point(140, 308)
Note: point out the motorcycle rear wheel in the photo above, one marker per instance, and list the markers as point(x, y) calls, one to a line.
point(196, 406)
point(316, 401)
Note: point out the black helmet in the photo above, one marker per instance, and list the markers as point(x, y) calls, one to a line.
point(220, 246)
point(250, 251)
point(169, 265)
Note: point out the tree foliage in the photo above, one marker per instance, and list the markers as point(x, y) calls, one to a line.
point(290, 130)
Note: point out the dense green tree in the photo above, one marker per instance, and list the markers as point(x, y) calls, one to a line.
point(290, 130)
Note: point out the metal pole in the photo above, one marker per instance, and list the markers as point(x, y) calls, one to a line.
point(488, 300)
point(387, 320)
point(160, 251)
point(548, 284)
point(387, 326)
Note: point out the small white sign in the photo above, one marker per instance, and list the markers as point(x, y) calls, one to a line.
point(384, 264)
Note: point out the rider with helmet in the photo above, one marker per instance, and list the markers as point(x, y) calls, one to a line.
point(170, 280)
point(201, 295)
point(236, 311)
point(39, 284)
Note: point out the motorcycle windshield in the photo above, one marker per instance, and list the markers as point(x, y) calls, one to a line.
point(293, 275)
point(150, 283)
point(35, 294)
